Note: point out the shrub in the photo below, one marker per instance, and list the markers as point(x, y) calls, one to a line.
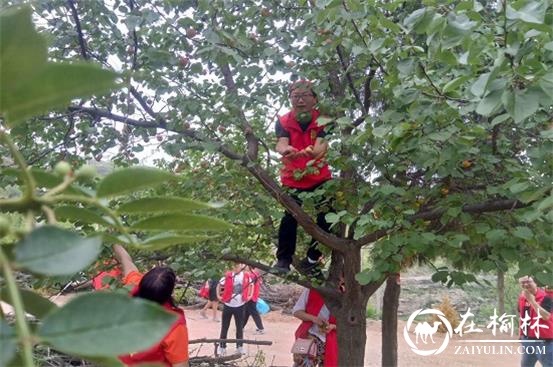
point(450, 313)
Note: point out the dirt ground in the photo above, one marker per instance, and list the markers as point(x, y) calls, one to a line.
point(280, 330)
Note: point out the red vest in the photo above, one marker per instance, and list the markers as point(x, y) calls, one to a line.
point(531, 333)
point(314, 304)
point(155, 353)
point(300, 139)
point(256, 285)
point(229, 285)
point(98, 280)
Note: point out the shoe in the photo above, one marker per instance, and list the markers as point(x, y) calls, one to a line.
point(260, 331)
point(282, 266)
point(312, 270)
point(203, 315)
point(222, 351)
point(240, 350)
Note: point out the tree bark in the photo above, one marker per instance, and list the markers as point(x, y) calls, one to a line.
point(501, 292)
point(389, 321)
point(351, 330)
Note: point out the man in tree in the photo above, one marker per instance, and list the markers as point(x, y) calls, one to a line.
point(300, 141)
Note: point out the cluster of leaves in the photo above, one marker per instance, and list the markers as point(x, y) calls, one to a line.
point(108, 209)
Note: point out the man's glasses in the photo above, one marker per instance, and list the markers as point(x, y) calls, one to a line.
point(297, 97)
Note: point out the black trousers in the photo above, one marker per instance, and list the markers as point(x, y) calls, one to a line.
point(239, 314)
point(251, 310)
point(288, 232)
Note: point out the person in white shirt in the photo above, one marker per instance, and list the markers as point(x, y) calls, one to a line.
point(237, 290)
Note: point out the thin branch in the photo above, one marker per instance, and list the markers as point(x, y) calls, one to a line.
point(135, 41)
point(351, 85)
point(367, 98)
point(82, 43)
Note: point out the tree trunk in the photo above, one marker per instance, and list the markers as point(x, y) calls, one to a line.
point(389, 321)
point(352, 334)
point(501, 292)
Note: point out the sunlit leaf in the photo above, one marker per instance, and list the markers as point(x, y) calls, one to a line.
point(162, 204)
point(182, 222)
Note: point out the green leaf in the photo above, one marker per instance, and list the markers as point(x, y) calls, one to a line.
point(546, 203)
point(521, 104)
point(76, 214)
point(182, 222)
point(496, 235)
point(545, 279)
point(162, 204)
point(8, 341)
point(519, 187)
point(22, 49)
point(381, 131)
point(546, 83)
point(131, 179)
point(51, 251)
point(365, 277)
point(33, 303)
point(454, 84)
point(490, 103)
point(54, 86)
point(523, 232)
point(479, 86)
point(324, 120)
point(45, 179)
point(532, 12)
point(164, 240)
point(105, 324)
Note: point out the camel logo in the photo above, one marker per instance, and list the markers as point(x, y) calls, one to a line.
point(424, 332)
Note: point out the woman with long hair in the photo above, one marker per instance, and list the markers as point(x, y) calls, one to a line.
point(157, 286)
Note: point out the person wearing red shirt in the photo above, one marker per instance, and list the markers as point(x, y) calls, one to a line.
point(157, 286)
point(318, 324)
point(300, 142)
point(535, 307)
point(251, 305)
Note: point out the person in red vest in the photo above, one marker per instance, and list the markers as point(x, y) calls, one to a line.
point(251, 305)
point(237, 290)
point(319, 324)
point(104, 278)
point(535, 307)
point(157, 286)
point(300, 142)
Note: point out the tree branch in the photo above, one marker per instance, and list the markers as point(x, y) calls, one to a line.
point(367, 98)
point(328, 239)
point(82, 44)
point(489, 206)
point(351, 85)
